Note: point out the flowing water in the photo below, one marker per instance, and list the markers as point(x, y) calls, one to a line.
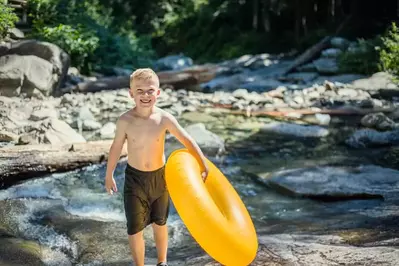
point(72, 221)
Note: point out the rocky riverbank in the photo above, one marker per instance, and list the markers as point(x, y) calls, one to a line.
point(305, 112)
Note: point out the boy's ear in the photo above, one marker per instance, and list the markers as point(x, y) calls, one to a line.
point(131, 92)
point(158, 92)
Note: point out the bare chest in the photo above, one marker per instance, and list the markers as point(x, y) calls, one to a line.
point(145, 133)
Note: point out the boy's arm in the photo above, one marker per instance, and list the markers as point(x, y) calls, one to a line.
point(173, 126)
point(116, 147)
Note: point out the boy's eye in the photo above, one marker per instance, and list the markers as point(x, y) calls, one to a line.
point(148, 92)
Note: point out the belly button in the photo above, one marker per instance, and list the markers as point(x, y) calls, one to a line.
point(147, 165)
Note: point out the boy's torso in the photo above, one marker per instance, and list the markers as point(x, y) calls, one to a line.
point(146, 141)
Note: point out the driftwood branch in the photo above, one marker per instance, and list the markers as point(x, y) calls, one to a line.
point(22, 162)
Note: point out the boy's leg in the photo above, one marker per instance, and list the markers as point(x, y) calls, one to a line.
point(137, 248)
point(159, 216)
point(161, 241)
point(137, 217)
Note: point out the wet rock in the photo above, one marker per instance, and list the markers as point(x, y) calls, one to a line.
point(209, 142)
point(15, 251)
point(325, 250)
point(173, 62)
point(340, 43)
point(371, 138)
point(326, 66)
point(378, 121)
point(261, 85)
point(344, 78)
point(331, 53)
point(310, 67)
point(295, 130)
point(302, 77)
point(337, 183)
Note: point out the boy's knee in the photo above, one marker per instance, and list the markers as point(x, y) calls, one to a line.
point(160, 222)
point(138, 233)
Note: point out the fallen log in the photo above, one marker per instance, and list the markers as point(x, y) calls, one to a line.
point(18, 163)
point(186, 78)
point(309, 54)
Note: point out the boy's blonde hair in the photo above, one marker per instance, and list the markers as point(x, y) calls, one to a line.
point(143, 74)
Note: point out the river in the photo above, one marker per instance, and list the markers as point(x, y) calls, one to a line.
point(72, 221)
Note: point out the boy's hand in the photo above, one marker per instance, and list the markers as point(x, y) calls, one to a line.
point(205, 173)
point(110, 185)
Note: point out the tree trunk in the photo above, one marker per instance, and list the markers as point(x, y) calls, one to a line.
point(22, 162)
point(297, 21)
point(265, 16)
point(255, 12)
point(331, 9)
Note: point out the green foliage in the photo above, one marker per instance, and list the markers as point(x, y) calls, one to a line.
point(88, 31)
point(7, 20)
point(369, 56)
point(125, 33)
point(79, 43)
point(362, 58)
point(389, 54)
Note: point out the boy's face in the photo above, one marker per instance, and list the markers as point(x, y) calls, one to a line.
point(145, 92)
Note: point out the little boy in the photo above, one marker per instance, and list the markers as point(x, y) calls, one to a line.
point(146, 198)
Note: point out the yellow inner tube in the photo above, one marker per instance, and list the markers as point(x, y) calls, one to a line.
point(213, 212)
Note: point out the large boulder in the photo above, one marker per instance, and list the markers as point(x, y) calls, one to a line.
point(53, 65)
point(25, 74)
point(380, 83)
point(372, 138)
point(330, 182)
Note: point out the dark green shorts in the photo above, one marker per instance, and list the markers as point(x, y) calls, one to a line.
point(146, 198)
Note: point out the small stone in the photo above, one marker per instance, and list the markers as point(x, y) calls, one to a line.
point(240, 93)
point(8, 136)
point(108, 130)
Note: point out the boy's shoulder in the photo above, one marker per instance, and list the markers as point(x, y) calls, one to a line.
point(126, 115)
point(165, 114)
point(124, 118)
